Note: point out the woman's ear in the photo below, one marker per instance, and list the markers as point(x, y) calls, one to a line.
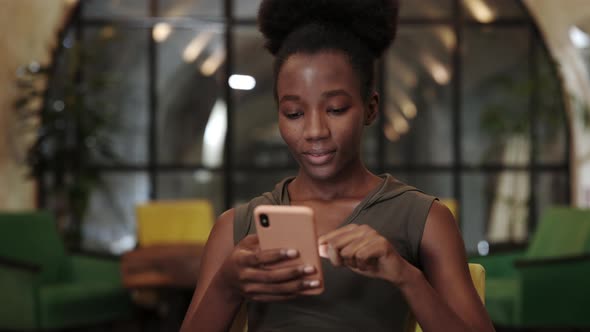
point(372, 108)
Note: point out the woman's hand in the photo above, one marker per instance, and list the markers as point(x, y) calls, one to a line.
point(364, 251)
point(252, 272)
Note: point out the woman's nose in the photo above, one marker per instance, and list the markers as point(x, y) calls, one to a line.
point(316, 127)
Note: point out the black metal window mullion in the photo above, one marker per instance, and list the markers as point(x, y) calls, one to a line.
point(381, 120)
point(152, 107)
point(228, 146)
point(457, 108)
point(533, 72)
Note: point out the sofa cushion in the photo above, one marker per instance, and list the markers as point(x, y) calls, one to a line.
point(71, 304)
point(501, 299)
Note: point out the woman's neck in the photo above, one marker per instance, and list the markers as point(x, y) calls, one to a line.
point(352, 182)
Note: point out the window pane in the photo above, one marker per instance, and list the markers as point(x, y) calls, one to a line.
point(486, 11)
point(496, 92)
point(247, 9)
point(192, 114)
point(248, 185)
point(192, 8)
point(438, 184)
point(256, 133)
point(115, 80)
point(418, 97)
point(201, 184)
point(550, 114)
point(109, 224)
point(495, 208)
point(115, 8)
point(425, 9)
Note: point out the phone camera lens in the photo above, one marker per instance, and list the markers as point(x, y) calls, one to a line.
point(264, 220)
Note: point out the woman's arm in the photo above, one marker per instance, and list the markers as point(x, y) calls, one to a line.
point(229, 273)
point(443, 298)
point(211, 289)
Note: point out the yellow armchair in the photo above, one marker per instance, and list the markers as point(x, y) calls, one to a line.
point(174, 222)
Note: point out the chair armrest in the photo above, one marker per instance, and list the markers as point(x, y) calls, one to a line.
point(19, 265)
point(88, 268)
point(19, 284)
point(499, 265)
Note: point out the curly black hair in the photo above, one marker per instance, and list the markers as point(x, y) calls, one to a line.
point(361, 29)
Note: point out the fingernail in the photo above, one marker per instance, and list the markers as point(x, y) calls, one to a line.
point(292, 253)
point(314, 283)
point(308, 269)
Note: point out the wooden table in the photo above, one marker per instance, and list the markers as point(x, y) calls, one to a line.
point(170, 265)
point(163, 278)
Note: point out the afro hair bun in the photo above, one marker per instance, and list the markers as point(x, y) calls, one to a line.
point(372, 21)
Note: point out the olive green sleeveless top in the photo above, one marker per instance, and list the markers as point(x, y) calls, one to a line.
point(350, 302)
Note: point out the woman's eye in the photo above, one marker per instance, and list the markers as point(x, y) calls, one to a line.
point(338, 110)
point(293, 115)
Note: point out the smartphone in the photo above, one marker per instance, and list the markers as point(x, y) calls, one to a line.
point(291, 227)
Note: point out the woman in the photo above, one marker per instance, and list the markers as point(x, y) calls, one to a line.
point(399, 250)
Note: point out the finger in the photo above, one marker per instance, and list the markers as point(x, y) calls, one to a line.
point(334, 256)
point(251, 239)
point(288, 288)
point(335, 233)
point(276, 275)
point(270, 256)
point(348, 252)
point(345, 239)
point(368, 255)
point(272, 298)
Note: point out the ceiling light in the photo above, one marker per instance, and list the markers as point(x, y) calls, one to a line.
point(480, 10)
point(400, 124)
point(213, 62)
point(579, 38)
point(390, 132)
point(438, 71)
point(161, 32)
point(196, 46)
point(242, 82)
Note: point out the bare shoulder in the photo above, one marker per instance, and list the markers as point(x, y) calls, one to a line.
point(441, 227)
point(442, 251)
point(226, 219)
point(223, 230)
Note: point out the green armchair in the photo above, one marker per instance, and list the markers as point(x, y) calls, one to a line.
point(548, 284)
point(42, 287)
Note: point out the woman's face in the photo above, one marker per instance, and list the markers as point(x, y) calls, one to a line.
point(322, 113)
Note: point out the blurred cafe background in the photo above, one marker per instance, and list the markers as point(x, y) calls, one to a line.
point(127, 126)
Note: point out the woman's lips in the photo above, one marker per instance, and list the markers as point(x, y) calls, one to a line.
point(318, 158)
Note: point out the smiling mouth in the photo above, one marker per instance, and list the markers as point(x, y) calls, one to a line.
point(318, 158)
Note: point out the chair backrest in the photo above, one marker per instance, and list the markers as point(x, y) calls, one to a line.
point(32, 237)
point(563, 231)
point(165, 222)
point(478, 276)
